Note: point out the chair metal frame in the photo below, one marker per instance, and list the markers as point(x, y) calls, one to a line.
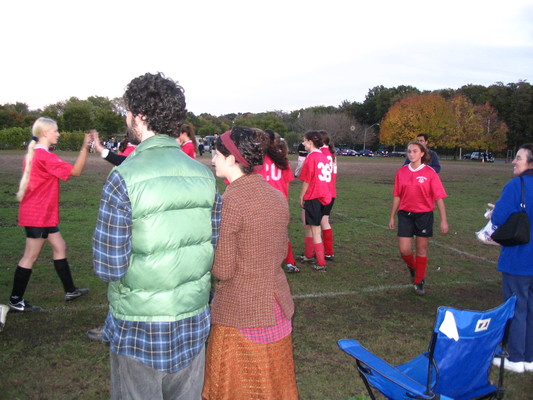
point(412, 383)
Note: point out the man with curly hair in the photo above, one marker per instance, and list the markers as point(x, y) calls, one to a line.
point(158, 222)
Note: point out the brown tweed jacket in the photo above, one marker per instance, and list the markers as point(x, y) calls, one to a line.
point(251, 247)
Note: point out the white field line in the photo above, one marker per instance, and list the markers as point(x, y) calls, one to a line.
point(432, 241)
point(372, 289)
point(331, 294)
point(463, 252)
point(383, 288)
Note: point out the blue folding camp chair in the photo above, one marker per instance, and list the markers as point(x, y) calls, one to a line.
point(456, 365)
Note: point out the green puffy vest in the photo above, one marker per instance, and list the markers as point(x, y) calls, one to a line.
point(171, 196)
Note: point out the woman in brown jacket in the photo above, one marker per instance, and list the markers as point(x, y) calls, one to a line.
point(249, 353)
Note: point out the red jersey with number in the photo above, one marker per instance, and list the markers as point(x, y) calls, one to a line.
point(333, 165)
point(317, 173)
point(40, 205)
point(418, 189)
point(188, 148)
point(277, 178)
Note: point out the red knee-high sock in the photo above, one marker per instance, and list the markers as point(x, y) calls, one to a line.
point(308, 247)
point(319, 252)
point(327, 237)
point(290, 257)
point(421, 264)
point(410, 260)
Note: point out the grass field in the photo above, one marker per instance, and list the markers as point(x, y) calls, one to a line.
point(364, 294)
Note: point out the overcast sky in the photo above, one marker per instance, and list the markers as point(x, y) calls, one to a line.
point(249, 56)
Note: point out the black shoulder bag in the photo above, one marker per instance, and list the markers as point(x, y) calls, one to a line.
point(516, 229)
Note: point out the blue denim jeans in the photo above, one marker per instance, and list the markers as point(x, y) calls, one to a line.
point(132, 380)
point(520, 339)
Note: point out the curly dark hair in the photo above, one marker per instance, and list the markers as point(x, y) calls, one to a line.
point(277, 150)
point(160, 100)
point(315, 137)
point(252, 144)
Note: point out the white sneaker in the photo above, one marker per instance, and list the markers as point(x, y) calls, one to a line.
point(292, 268)
point(512, 366)
point(3, 314)
point(528, 366)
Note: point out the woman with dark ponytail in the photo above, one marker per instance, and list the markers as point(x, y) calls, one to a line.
point(277, 172)
point(187, 140)
point(315, 196)
point(249, 352)
point(327, 232)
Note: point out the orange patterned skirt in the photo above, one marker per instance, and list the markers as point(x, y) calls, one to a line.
point(237, 368)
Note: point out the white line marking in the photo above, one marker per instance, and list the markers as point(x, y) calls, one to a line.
point(431, 241)
point(333, 294)
point(464, 252)
point(371, 289)
point(383, 288)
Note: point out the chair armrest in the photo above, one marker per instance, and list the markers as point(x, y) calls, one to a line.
point(384, 369)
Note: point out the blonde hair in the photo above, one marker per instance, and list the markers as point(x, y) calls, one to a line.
point(39, 126)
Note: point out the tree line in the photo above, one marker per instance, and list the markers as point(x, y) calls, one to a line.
point(495, 118)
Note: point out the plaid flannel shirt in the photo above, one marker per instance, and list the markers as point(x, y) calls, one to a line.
point(164, 346)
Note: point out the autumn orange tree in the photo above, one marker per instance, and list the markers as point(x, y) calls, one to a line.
point(428, 113)
point(467, 123)
point(493, 133)
point(477, 127)
point(450, 123)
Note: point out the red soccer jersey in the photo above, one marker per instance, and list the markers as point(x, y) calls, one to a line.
point(333, 166)
point(277, 178)
point(127, 151)
point(188, 148)
point(317, 173)
point(40, 205)
point(418, 189)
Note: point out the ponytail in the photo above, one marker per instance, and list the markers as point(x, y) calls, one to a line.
point(189, 130)
point(315, 137)
point(327, 141)
point(277, 150)
point(27, 169)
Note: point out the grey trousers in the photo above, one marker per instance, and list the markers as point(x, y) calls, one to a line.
point(132, 380)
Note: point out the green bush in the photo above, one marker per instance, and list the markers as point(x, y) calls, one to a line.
point(70, 141)
point(14, 138)
point(17, 138)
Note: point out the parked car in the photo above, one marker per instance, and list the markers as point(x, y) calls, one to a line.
point(367, 153)
point(347, 152)
point(467, 156)
point(398, 154)
point(481, 156)
point(208, 142)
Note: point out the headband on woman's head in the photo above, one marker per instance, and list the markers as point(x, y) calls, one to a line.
point(232, 148)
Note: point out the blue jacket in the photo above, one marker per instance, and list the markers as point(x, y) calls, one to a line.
point(515, 260)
